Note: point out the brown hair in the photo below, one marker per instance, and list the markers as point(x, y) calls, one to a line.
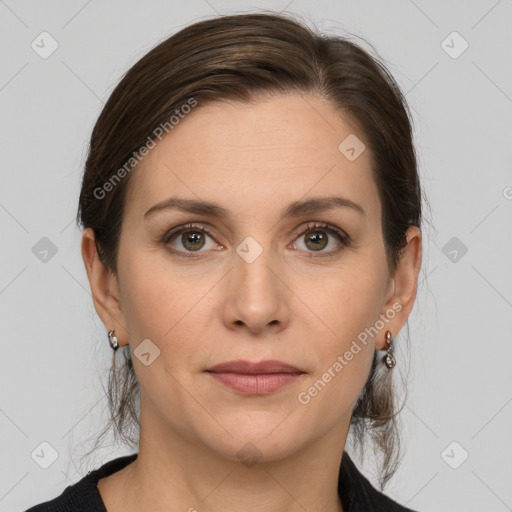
point(240, 57)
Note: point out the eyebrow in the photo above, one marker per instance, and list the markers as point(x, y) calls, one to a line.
point(295, 209)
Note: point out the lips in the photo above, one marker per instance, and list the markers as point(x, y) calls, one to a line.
point(259, 378)
point(257, 368)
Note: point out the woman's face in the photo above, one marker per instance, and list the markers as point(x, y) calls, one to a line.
point(259, 284)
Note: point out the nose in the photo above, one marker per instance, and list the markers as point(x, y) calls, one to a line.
point(256, 294)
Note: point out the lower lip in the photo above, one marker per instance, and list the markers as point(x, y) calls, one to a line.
point(256, 384)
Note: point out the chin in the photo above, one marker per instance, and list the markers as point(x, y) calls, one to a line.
point(259, 437)
point(249, 450)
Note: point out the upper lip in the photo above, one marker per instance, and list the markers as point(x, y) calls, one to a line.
point(260, 367)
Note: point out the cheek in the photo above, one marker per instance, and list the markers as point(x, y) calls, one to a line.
point(349, 306)
point(163, 303)
point(347, 302)
point(332, 395)
point(344, 356)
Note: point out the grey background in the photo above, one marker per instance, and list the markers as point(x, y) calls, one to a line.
point(54, 349)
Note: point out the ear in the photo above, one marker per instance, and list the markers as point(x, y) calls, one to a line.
point(104, 288)
point(403, 286)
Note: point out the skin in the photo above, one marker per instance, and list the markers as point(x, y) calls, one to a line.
point(252, 159)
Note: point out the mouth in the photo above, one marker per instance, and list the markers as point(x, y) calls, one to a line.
point(247, 367)
point(259, 378)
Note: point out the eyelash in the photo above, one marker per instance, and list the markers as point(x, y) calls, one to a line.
point(344, 239)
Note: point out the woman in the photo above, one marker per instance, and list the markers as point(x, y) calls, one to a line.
point(252, 214)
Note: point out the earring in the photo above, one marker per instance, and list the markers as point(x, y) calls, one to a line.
point(113, 340)
point(388, 359)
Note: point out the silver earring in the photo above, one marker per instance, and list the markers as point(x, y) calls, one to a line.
point(388, 359)
point(113, 340)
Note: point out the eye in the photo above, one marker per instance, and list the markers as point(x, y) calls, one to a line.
point(192, 239)
point(318, 237)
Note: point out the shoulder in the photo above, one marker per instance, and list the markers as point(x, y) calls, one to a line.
point(83, 496)
point(358, 494)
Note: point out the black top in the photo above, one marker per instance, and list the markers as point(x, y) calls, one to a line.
point(356, 493)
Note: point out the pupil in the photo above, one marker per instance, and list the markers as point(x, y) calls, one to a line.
point(192, 239)
point(317, 238)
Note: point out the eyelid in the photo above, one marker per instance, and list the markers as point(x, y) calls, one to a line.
point(310, 226)
point(185, 227)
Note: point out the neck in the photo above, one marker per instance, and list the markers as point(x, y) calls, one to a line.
point(176, 472)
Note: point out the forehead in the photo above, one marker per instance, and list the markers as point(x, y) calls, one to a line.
point(272, 150)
